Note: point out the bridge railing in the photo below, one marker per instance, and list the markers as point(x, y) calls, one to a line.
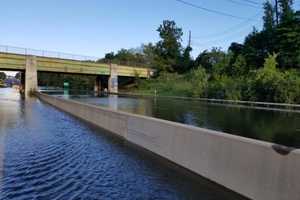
point(44, 53)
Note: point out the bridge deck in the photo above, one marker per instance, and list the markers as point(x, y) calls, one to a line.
point(9, 61)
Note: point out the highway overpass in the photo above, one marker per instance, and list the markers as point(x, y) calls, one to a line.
point(32, 61)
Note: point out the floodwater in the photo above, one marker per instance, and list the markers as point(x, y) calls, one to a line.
point(48, 154)
point(272, 125)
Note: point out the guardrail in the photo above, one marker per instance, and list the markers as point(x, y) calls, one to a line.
point(44, 53)
point(223, 101)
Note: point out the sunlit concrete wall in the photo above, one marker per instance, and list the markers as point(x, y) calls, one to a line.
point(249, 167)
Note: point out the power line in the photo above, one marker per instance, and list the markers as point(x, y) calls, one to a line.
point(235, 27)
point(223, 39)
point(253, 2)
point(210, 10)
point(243, 4)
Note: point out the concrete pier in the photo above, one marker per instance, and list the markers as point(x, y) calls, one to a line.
point(98, 86)
point(113, 79)
point(31, 82)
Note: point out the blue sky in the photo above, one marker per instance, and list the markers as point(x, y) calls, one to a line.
point(94, 27)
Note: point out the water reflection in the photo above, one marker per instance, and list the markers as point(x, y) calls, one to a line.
point(278, 126)
point(9, 114)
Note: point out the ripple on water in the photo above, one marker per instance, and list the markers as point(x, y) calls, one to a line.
point(51, 155)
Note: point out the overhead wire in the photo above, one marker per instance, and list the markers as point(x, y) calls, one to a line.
point(243, 4)
point(252, 2)
point(229, 30)
point(210, 10)
point(223, 39)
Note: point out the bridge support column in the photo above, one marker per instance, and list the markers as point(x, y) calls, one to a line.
point(98, 86)
point(113, 79)
point(31, 84)
point(22, 83)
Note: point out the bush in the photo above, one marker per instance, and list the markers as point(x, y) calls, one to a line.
point(266, 84)
point(289, 87)
point(167, 84)
point(267, 81)
point(272, 85)
point(225, 87)
point(199, 80)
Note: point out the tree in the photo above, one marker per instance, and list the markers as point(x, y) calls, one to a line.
point(286, 10)
point(109, 56)
point(2, 76)
point(269, 17)
point(267, 81)
point(288, 36)
point(149, 53)
point(169, 47)
point(256, 48)
point(199, 80)
point(186, 62)
point(134, 57)
point(239, 66)
point(288, 44)
point(236, 48)
point(209, 59)
point(18, 75)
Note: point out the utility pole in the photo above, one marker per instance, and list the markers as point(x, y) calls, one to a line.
point(190, 39)
point(276, 12)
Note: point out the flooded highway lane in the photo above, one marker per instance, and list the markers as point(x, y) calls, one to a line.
point(48, 154)
point(272, 125)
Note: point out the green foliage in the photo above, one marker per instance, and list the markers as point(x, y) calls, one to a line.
point(269, 17)
point(282, 38)
point(192, 84)
point(266, 84)
point(288, 44)
point(267, 81)
point(272, 85)
point(224, 87)
point(2, 76)
point(76, 82)
point(290, 87)
point(209, 59)
point(169, 47)
point(167, 84)
point(130, 57)
point(263, 68)
point(286, 10)
point(186, 62)
point(239, 66)
point(18, 76)
point(199, 80)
